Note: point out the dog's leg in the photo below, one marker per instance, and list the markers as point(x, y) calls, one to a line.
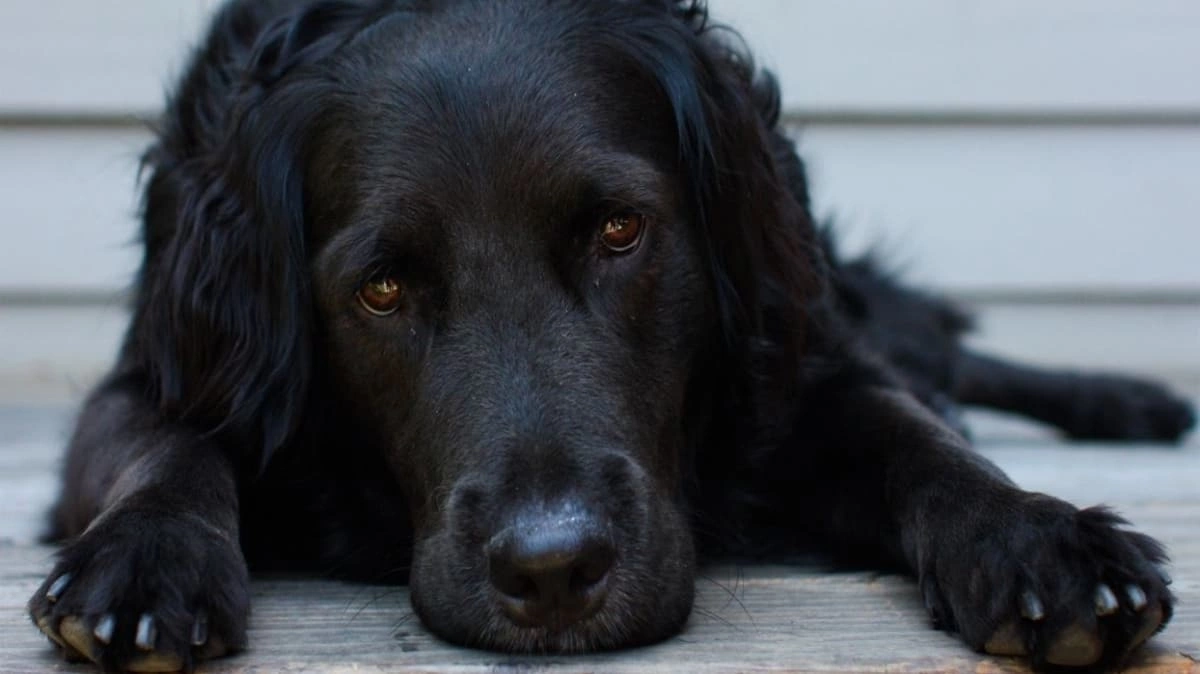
point(1013, 572)
point(151, 577)
point(1084, 405)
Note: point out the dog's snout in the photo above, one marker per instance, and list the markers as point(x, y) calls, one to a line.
point(551, 572)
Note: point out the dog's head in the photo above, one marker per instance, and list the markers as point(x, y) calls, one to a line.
point(539, 251)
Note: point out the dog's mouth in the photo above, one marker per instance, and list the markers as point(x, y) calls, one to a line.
point(620, 620)
point(558, 581)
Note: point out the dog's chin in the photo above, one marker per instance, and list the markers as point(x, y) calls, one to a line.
point(601, 632)
point(609, 629)
point(644, 606)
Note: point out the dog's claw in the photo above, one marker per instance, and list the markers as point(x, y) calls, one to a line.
point(77, 635)
point(147, 633)
point(105, 628)
point(44, 625)
point(200, 631)
point(80, 644)
point(1137, 597)
point(1031, 606)
point(1152, 619)
point(214, 648)
point(58, 587)
point(1105, 601)
point(1006, 641)
point(1075, 647)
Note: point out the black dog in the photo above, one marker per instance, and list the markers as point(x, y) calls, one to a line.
point(511, 300)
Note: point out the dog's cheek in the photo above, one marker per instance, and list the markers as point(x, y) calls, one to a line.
point(439, 599)
point(368, 362)
point(682, 324)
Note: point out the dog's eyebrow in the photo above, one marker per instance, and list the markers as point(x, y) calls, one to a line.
point(630, 178)
point(617, 178)
point(350, 251)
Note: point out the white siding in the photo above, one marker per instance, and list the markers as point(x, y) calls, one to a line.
point(67, 200)
point(972, 208)
point(987, 56)
point(1016, 145)
point(1018, 208)
point(78, 56)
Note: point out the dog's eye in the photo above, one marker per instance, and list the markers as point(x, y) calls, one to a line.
point(622, 233)
point(381, 295)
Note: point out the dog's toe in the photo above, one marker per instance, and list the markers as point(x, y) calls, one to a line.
point(1153, 619)
point(1008, 640)
point(69, 652)
point(1064, 587)
point(83, 642)
point(1075, 646)
point(75, 632)
point(156, 662)
point(123, 608)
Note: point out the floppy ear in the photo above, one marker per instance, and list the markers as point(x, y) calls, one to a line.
point(756, 222)
point(749, 199)
point(767, 264)
point(222, 322)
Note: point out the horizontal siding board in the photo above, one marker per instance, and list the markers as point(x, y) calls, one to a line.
point(1022, 208)
point(67, 201)
point(67, 58)
point(1071, 57)
point(969, 208)
point(72, 58)
point(973, 207)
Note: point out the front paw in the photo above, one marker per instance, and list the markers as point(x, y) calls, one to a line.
point(144, 590)
point(1065, 587)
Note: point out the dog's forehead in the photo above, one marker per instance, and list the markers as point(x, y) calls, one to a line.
point(493, 110)
point(473, 85)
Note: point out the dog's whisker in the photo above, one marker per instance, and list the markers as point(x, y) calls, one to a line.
point(715, 616)
point(731, 591)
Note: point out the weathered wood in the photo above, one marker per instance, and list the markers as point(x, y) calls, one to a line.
point(755, 618)
point(747, 619)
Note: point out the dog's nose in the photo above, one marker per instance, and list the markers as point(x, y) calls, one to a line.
point(551, 572)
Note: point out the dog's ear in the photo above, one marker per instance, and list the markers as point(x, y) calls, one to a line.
point(222, 320)
point(748, 194)
point(309, 35)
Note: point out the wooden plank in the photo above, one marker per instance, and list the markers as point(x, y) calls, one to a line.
point(749, 618)
point(65, 57)
point(781, 619)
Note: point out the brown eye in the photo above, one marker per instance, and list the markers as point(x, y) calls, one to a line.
point(622, 233)
point(381, 295)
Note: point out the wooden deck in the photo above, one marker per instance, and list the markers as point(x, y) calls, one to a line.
point(747, 619)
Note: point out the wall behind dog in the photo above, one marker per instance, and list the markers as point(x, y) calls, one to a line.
point(1015, 152)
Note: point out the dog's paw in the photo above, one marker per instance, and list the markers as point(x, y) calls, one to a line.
point(1066, 587)
point(146, 591)
point(1113, 407)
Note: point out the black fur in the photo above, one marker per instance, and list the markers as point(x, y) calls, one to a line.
point(727, 386)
